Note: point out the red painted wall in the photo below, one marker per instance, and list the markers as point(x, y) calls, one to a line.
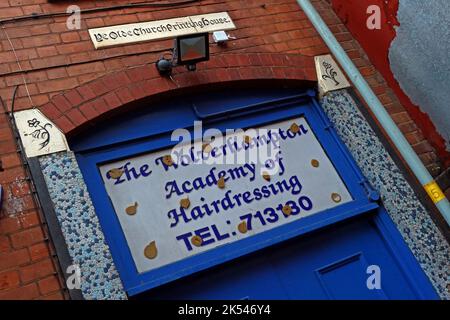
point(376, 44)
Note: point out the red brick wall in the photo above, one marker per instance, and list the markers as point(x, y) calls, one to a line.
point(81, 107)
point(27, 270)
point(57, 63)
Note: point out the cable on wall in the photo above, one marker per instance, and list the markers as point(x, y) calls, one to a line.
point(19, 65)
point(158, 4)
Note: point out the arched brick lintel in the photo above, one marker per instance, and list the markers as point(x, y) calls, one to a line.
point(76, 108)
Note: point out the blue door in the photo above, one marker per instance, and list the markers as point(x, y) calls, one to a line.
point(351, 251)
point(330, 264)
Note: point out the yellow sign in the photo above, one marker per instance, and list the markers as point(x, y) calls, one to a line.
point(161, 29)
point(434, 191)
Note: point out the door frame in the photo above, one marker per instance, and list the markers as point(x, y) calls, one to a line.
point(303, 104)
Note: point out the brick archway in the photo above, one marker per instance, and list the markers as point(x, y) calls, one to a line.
point(77, 107)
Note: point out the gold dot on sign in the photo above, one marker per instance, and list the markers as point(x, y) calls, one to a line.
point(287, 210)
point(115, 173)
point(242, 227)
point(266, 176)
point(151, 251)
point(132, 210)
point(336, 197)
point(206, 147)
point(247, 139)
point(295, 128)
point(196, 241)
point(167, 160)
point(221, 183)
point(315, 163)
point(185, 203)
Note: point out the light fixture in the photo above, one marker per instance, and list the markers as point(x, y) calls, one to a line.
point(192, 49)
point(188, 51)
point(221, 37)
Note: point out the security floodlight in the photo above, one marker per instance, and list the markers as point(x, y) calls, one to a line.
point(188, 51)
point(192, 49)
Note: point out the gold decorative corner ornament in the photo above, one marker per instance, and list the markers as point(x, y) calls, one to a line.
point(185, 203)
point(266, 176)
point(197, 241)
point(115, 173)
point(315, 163)
point(336, 197)
point(221, 183)
point(167, 160)
point(242, 227)
point(132, 210)
point(287, 210)
point(294, 128)
point(151, 251)
point(206, 147)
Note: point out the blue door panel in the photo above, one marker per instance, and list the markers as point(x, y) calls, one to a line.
point(334, 278)
point(329, 264)
point(333, 263)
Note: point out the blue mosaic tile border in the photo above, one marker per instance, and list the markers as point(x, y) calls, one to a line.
point(412, 219)
point(81, 228)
